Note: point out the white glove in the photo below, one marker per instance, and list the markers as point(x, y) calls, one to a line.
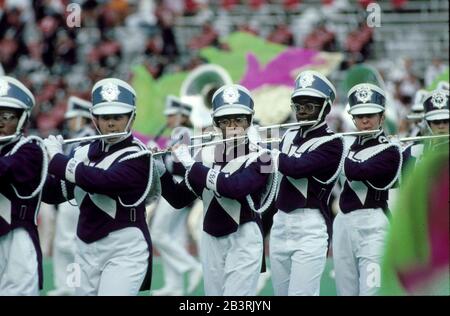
point(153, 146)
point(53, 145)
point(183, 155)
point(253, 135)
point(159, 165)
point(395, 140)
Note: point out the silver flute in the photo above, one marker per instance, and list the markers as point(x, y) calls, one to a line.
point(269, 140)
point(211, 135)
point(6, 138)
point(94, 137)
point(419, 138)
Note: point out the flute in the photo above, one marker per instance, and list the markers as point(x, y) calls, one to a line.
point(6, 138)
point(270, 140)
point(162, 152)
point(211, 135)
point(419, 138)
point(277, 140)
point(94, 137)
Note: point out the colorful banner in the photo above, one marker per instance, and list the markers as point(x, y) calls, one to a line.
point(267, 69)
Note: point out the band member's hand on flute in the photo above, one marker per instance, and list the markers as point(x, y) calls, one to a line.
point(181, 152)
point(53, 144)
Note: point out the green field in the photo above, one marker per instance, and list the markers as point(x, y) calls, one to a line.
point(327, 284)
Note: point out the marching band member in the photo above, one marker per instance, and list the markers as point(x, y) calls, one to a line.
point(23, 169)
point(416, 115)
point(230, 178)
point(169, 228)
point(78, 123)
point(309, 163)
point(372, 167)
point(110, 180)
point(436, 121)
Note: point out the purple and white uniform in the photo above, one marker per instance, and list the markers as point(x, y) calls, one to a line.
point(229, 181)
point(372, 167)
point(310, 162)
point(22, 172)
point(64, 242)
point(110, 184)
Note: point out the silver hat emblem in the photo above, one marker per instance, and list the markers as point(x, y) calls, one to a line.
point(306, 80)
point(439, 99)
point(4, 87)
point(363, 94)
point(230, 95)
point(110, 92)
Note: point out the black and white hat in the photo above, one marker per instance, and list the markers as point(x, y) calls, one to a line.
point(13, 94)
point(436, 105)
point(417, 109)
point(77, 107)
point(366, 98)
point(232, 99)
point(113, 96)
point(175, 106)
point(314, 84)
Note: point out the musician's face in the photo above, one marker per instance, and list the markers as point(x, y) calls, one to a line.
point(439, 127)
point(9, 119)
point(175, 120)
point(367, 122)
point(233, 125)
point(307, 108)
point(74, 124)
point(114, 123)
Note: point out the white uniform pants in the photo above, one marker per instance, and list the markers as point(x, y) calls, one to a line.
point(358, 241)
point(232, 264)
point(170, 235)
point(18, 264)
point(115, 265)
point(64, 244)
point(298, 250)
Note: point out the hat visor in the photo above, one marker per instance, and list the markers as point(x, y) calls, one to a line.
point(415, 116)
point(171, 112)
point(111, 108)
point(231, 110)
point(11, 103)
point(308, 93)
point(437, 115)
point(72, 114)
point(369, 108)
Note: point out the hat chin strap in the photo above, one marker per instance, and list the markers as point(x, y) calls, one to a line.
point(121, 138)
point(429, 129)
point(320, 120)
point(23, 118)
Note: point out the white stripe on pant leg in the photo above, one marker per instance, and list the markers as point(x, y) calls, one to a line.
point(173, 280)
point(89, 269)
point(345, 264)
point(165, 237)
point(20, 276)
point(370, 251)
point(309, 243)
point(213, 255)
point(64, 243)
point(243, 262)
point(124, 262)
point(279, 254)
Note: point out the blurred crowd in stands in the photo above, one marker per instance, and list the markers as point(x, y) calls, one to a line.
point(56, 61)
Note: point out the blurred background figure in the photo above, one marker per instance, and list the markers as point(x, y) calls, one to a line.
point(169, 225)
point(77, 124)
